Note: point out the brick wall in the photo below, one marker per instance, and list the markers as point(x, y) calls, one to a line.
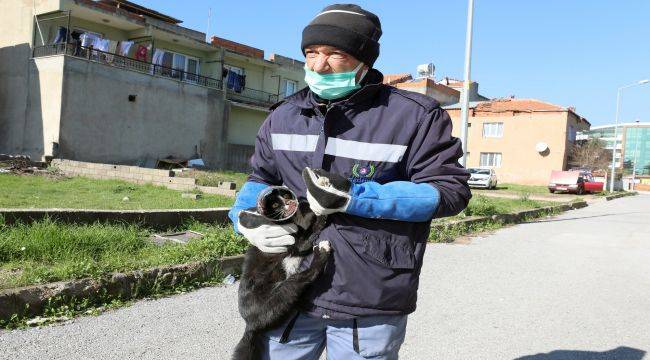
point(136, 175)
point(237, 47)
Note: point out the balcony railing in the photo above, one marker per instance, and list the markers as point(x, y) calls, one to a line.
point(248, 95)
point(124, 62)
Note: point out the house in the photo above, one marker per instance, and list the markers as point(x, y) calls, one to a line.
point(446, 91)
point(522, 139)
point(112, 81)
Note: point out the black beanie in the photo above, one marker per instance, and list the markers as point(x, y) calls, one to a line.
point(347, 27)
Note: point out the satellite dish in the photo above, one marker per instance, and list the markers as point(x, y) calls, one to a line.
point(541, 147)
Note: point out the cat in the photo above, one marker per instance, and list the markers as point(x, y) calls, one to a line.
point(271, 285)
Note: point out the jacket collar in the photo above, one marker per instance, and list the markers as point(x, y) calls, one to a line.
point(306, 99)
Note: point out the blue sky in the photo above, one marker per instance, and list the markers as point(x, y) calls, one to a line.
point(572, 53)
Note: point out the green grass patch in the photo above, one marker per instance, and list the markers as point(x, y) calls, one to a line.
point(48, 251)
point(481, 205)
point(84, 193)
point(523, 189)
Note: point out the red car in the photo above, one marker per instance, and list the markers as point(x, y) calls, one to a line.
point(577, 182)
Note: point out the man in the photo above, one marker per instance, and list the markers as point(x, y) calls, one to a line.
point(391, 165)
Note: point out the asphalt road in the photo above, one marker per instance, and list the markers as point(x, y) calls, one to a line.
point(572, 287)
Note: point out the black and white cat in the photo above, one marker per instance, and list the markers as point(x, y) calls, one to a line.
point(271, 285)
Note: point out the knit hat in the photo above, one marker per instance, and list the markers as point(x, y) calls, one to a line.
point(347, 27)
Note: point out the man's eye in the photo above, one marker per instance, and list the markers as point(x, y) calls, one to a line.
point(338, 56)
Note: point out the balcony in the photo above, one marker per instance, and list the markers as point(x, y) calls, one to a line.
point(124, 62)
point(252, 96)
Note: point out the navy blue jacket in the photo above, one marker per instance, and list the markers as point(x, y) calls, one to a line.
point(379, 134)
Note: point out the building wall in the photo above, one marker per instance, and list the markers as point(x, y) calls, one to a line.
point(243, 125)
point(43, 111)
point(636, 140)
point(168, 118)
point(520, 161)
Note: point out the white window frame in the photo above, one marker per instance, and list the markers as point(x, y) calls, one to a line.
point(185, 64)
point(286, 87)
point(493, 129)
point(235, 69)
point(490, 159)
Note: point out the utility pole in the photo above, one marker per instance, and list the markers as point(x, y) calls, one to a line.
point(464, 105)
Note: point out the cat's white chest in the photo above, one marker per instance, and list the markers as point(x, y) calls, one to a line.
point(291, 264)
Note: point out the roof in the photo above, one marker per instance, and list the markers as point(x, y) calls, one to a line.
point(628, 124)
point(427, 83)
point(134, 8)
point(515, 105)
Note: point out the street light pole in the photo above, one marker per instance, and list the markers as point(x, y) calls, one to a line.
point(636, 148)
point(618, 107)
point(464, 105)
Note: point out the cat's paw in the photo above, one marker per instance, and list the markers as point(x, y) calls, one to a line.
point(324, 246)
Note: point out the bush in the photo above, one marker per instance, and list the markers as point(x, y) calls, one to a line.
point(481, 206)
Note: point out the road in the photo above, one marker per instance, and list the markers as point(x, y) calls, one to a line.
point(576, 286)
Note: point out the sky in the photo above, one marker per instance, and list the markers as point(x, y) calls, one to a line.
point(567, 52)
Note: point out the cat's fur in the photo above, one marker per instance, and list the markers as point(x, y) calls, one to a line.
point(271, 287)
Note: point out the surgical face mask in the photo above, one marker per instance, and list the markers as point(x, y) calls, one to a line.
point(335, 85)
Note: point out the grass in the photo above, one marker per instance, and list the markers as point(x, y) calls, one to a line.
point(84, 193)
point(481, 205)
point(523, 189)
point(214, 177)
point(48, 251)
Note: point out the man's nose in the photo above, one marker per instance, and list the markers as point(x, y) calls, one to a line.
point(321, 65)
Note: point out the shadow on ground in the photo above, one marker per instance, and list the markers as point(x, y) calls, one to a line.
point(620, 353)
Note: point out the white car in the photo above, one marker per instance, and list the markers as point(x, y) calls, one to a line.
point(482, 178)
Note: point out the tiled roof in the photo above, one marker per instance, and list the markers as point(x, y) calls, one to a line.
point(499, 105)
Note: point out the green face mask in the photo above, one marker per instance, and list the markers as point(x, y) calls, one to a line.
point(333, 86)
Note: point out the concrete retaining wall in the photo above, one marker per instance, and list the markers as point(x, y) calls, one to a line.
point(32, 300)
point(136, 175)
point(157, 219)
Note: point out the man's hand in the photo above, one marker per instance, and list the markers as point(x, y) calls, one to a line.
point(264, 234)
point(327, 193)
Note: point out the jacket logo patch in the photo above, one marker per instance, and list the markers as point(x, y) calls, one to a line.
point(362, 173)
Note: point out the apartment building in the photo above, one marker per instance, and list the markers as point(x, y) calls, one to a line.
point(632, 145)
point(522, 139)
point(112, 81)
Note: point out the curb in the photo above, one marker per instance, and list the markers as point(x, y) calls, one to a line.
point(617, 196)
point(32, 300)
point(512, 218)
point(158, 219)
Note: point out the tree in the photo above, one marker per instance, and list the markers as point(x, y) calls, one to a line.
point(590, 155)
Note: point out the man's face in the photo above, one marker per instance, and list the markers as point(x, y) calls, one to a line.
point(325, 59)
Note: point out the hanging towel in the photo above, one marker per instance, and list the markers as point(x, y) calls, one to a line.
point(157, 59)
point(61, 35)
point(112, 47)
point(230, 84)
point(124, 47)
point(141, 53)
point(87, 39)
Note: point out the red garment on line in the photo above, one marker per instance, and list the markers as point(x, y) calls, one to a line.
point(141, 53)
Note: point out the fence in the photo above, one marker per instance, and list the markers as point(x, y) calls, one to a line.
point(125, 63)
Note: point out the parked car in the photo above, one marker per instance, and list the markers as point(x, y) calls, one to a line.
point(482, 178)
point(577, 182)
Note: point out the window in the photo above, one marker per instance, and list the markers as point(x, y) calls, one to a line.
point(571, 134)
point(234, 77)
point(290, 87)
point(176, 61)
point(490, 159)
point(493, 129)
point(235, 69)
